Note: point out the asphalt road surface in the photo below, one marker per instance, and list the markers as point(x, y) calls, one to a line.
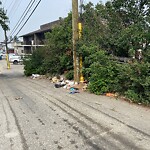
point(36, 116)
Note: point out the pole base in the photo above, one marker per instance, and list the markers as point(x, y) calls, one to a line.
point(81, 79)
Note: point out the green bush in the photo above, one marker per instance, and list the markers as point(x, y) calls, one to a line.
point(69, 75)
point(102, 73)
point(140, 83)
point(131, 80)
point(103, 78)
point(28, 68)
point(33, 64)
point(132, 95)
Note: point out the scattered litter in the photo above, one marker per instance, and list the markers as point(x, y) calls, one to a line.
point(85, 87)
point(55, 80)
point(35, 76)
point(111, 94)
point(18, 98)
point(59, 84)
point(73, 90)
point(69, 83)
point(81, 86)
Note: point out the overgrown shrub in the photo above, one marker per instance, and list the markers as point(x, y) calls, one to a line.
point(69, 75)
point(28, 68)
point(103, 75)
point(139, 89)
point(33, 64)
point(131, 80)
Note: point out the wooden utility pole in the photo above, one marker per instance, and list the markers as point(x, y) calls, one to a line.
point(75, 38)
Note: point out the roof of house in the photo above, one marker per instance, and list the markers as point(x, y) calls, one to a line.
point(43, 28)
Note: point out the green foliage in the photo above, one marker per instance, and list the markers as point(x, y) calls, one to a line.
point(103, 71)
point(56, 57)
point(3, 19)
point(147, 55)
point(33, 64)
point(69, 75)
point(131, 80)
point(28, 68)
point(120, 28)
point(140, 82)
point(117, 28)
point(59, 56)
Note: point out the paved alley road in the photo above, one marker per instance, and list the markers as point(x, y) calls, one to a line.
point(36, 116)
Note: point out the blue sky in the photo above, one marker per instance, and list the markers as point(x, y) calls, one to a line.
point(47, 11)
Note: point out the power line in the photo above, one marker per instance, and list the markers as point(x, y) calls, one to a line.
point(10, 4)
point(81, 3)
point(5, 2)
point(17, 6)
point(28, 17)
point(23, 16)
point(14, 7)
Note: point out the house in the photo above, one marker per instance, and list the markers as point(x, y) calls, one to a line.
point(18, 48)
point(36, 39)
point(10, 50)
point(3, 48)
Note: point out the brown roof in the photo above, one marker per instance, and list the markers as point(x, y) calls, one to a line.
point(44, 28)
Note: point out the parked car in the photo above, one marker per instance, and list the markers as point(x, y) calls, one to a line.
point(15, 58)
point(3, 55)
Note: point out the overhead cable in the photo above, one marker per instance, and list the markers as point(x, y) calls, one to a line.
point(28, 17)
point(26, 11)
point(10, 4)
point(4, 2)
point(14, 7)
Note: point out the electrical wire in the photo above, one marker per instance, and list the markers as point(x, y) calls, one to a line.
point(14, 7)
point(28, 17)
point(4, 2)
point(10, 4)
point(17, 6)
point(23, 16)
point(26, 11)
point(81, 3)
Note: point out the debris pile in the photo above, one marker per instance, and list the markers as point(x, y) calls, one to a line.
point(69, 85)
point(59, 82)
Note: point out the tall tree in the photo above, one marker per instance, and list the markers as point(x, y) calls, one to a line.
point(118, 26)
point(131, 24)
point(3, 19)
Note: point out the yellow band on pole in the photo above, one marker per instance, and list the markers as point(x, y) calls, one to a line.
point(80, 65)
point(80, 29)
point(81, 74)
point(8, 63)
